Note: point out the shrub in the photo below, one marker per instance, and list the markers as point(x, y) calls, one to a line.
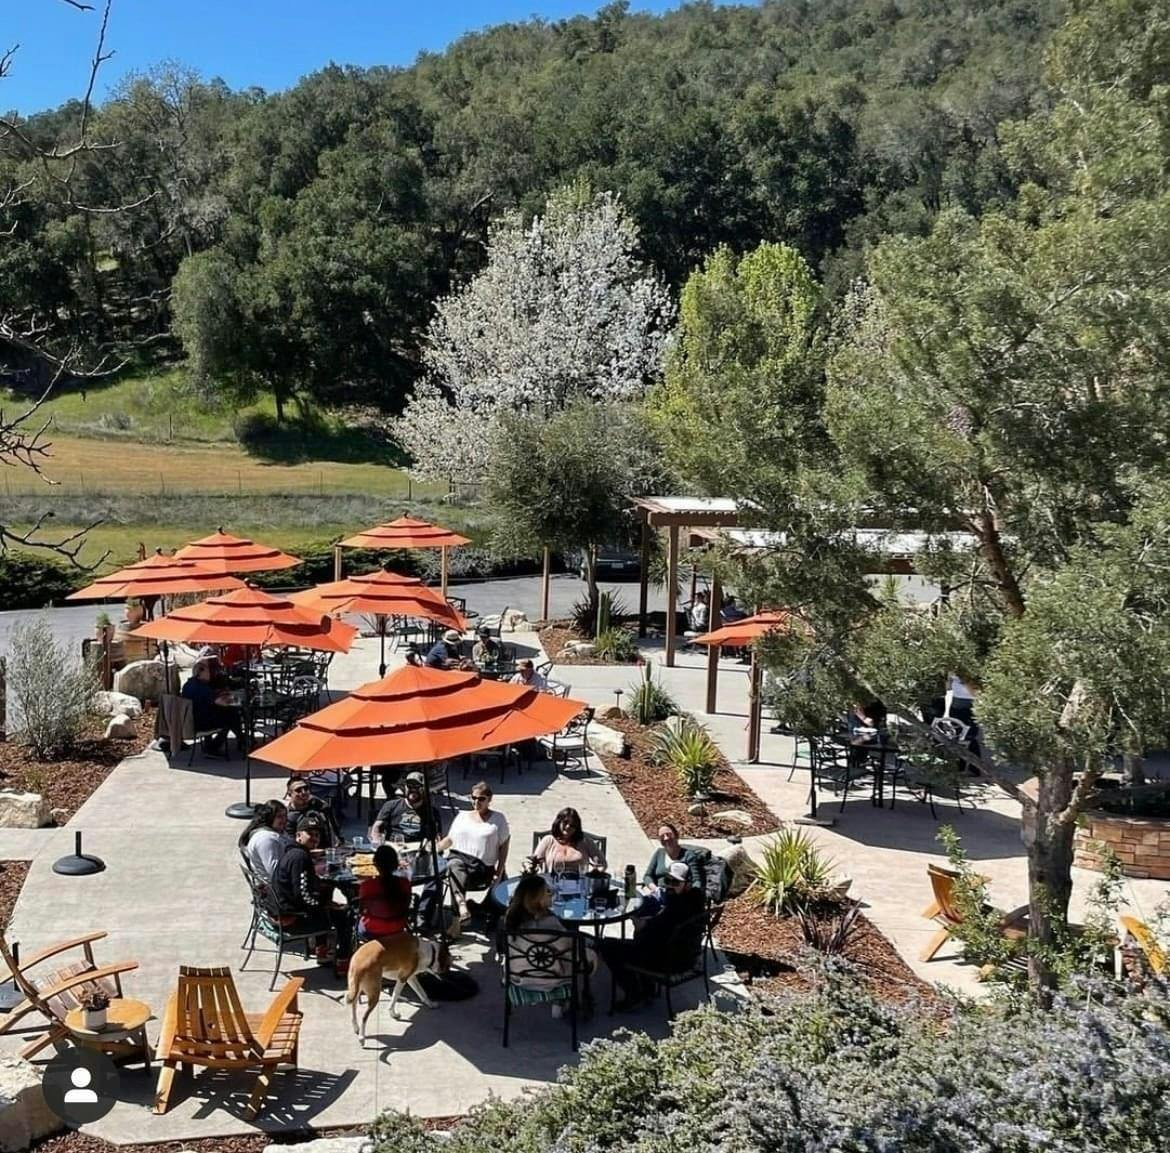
point(585, 615)
point(31, 582)
point(256, 429)
point(835, 1070)
point(828, 930)
point(792, 872)
point(649, 702)
point(616, 645)
point(690, 751)
point(53, 693)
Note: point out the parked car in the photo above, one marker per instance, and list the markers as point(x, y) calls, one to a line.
point(613, 563)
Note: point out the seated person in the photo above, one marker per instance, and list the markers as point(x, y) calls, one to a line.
point(531, 909)
point(409, 817)
point(211, 708)
point(300, 893)
point(732, 610)
point(669, 850)
point(476, 847)
point(486, 650)
point(869, 716)
point(700, 613)
point(263, 842)
point(526, 674)
point(302, 804)
point(446, 653)
point(384, 900)
point(656, 946)
point(567, 848)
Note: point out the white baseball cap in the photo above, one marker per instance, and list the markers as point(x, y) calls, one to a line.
point(679, 870)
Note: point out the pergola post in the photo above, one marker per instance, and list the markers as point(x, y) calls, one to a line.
point(671, 592)
point(443, 571)
point(755, 710)
point(644, 579)
point(337, 562)
point(544, 585)
point(713, 650)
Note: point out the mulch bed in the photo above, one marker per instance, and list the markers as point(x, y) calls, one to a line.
point(654, 794)
point(70, 782)
point(766, 951)
point(554, 637)
point(12, 875)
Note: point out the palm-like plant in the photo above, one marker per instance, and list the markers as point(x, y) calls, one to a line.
point(649, 702)
point(793, 872)
point(690, 751)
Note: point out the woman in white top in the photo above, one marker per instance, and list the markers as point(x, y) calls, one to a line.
point(476, 847)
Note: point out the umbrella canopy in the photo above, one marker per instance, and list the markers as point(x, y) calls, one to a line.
point(406, 532)
point(384, 593)
point(740, 634)
point(418, 714)
point(254, 619)
point(223, 552)
point(157, 576)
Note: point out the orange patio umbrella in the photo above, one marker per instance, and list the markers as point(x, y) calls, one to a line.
point(405, 533)
point(740, 634)
point(251, 618)
point(156, 576)
point(223, 552)
point(418, 715)
point(385, 594)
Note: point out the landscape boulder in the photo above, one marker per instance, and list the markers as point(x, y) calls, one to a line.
point(733, 817)
point(24, 810)
point(328, 1145)
point(514, 621)
point(111, 704)
point(24, 1115)
point(121, 728)
point(606, 741)
point(145, 680)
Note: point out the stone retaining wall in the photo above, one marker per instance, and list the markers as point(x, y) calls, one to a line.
point(1141, 844)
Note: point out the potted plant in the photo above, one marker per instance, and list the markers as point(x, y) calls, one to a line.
point(105, 627)
point(94, 1003)
point(135, 611)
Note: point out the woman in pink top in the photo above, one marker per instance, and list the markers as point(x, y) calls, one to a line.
point(568, 848)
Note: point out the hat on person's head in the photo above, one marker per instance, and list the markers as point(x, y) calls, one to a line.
point(678, 871)
point(451, 637)
point(415, 778)
point(483, 631)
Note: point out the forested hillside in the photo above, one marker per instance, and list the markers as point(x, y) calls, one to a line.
point(319, 225)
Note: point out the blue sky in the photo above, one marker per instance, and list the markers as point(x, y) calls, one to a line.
point(269, 43)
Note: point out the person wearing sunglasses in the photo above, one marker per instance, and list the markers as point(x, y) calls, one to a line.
point(477, 848)
point(301, 803)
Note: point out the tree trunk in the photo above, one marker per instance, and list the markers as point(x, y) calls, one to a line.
point(591, 578)
point(278, 396)
point(1050, 855)
point(1133, 769)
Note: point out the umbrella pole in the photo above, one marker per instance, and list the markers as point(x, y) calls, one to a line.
point(443, 571)
point(244, 810)
point(755, 709)
point(382, 635)
point(713, 651)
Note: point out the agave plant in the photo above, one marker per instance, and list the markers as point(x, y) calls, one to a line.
point(793, 872)
point(649, 702)
point(690, 751)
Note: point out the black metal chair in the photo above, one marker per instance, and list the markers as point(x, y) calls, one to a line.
point(833, 766)
point(570, 744)
point(280, 926)
point(690, 942)
point(555, 956)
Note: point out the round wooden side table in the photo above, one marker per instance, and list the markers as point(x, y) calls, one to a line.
point(124, 1034)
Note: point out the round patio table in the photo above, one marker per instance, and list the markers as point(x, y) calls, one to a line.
point(123, 1035)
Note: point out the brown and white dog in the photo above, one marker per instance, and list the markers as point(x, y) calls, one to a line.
point(402, 957)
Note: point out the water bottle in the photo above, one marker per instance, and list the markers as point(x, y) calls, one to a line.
point(631, 882)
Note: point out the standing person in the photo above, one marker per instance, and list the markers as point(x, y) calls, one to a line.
point(263, 842)
point(527, 675)
point(476, 847)
point(384, 900)
point(302, 804)
point(300, 892)
point(657, 946)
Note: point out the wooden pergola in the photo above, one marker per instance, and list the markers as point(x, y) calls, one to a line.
point(674, 513)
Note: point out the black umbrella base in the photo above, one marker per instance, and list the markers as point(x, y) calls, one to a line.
point(241, 811)
point(79, 865)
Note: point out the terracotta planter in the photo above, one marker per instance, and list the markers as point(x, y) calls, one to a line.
point(1141, 844)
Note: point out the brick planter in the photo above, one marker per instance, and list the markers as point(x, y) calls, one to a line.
point(1141, 844)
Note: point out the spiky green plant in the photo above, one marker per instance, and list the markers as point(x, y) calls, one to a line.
point(792, 872)
point(689, 750)
point(649, 702)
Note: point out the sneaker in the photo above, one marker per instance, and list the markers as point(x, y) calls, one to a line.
point(558, 1011)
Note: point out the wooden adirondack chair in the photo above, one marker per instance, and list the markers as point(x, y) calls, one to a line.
point(1154, 953)
point(944, 910)
point(205, 1025)
point(55, 993)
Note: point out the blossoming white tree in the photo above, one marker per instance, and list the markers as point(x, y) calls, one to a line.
point(562, 310)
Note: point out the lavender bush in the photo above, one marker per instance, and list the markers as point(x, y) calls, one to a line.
point(839, 1073)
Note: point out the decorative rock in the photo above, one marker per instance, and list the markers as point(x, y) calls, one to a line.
point(697, 809)
point(581, 648)
point(743, 872)
point(110, 704)
point(60, 816)
point(734, 817)
point(613, 713)
point(328, 1145)
point(515, 622)
point(603, 740)
point(144, 680)
point(24, 1116)
point(121, 728)
point(23, 810)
